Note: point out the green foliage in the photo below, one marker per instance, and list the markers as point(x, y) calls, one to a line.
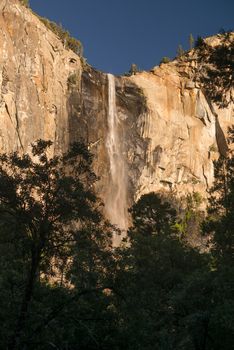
point(175, 297)
point(217, 303)
point(194, 200)
point(180, 51)
point(152, 215)
point(165, 60)
point(72, 80)
point(68, 41)
point(213, 148)
point(202, 317)
point(25, 3)
point(64, 286)
point(191, 41)
point(199, 42)
point(226, 32)
point(215, 68)
point(42, 201)
point(190, 218)
point(134, 69)
point(154, 264)
point(221, 209)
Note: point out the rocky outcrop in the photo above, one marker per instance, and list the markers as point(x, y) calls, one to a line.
point(34, 71)
point(170, 131)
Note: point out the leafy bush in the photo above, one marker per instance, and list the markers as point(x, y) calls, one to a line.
point(165, 60)
point(199, 42)
point(72, 80)
point(180, 51)
point(25, 3)
point(213, 148)
point(68, 41)
point(215, 67)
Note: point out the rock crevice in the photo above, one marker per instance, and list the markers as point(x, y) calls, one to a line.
point(170, 129)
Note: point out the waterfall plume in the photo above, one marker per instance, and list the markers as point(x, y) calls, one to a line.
point(116, 205)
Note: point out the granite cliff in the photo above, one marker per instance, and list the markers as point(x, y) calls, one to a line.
point(167, 129)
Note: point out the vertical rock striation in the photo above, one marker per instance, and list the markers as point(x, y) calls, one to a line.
point(153, 131)
point(34, 70)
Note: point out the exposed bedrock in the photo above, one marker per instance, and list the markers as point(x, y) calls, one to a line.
point(168, 130)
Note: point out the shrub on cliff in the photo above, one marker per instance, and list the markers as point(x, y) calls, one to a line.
point(133, 69)
point(180, 51)
point(165, 60)
point(72, 80)
point(191, 41)
point(199, 42)
point(215, 67)
point(25, 3)
point(68, 41)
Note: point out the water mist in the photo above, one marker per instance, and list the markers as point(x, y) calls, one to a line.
point(116, 197)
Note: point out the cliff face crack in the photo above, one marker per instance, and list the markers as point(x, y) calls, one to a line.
point(4, 8)
point(17, 124)
point(182, 98)
point(219, 134)
point(116, 196)
point(205, 177)
point(220, 138)
point(155, 110)
point(8, 112)
point(17, 129)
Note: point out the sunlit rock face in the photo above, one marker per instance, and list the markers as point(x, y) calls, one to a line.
point(180, 130)
point(34, 69)
point(166, 131)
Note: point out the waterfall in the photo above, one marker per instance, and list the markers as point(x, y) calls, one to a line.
point(116, 197)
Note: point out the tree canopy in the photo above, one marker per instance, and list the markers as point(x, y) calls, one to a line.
point(63, 286)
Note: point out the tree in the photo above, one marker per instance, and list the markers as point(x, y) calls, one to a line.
point(134, 69)
point(152, 215)
point(220, 224)
point(190, 217)
point(165, 60)
point(153, 264)
point(68, 41)
point(199, 42)
point(205, 300)
point(42, 200)
point(180, 51)
point(78, 312)
point(191, 41)
point(214, 69)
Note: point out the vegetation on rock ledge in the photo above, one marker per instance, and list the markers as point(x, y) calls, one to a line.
point(25, 3)
point(68, 41)
point(215, 69)
point(214, 66)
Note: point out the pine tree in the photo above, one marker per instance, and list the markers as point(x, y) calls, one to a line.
point(133, 69)
point(154, 263)
point(191, 41)
point(180, 51)
point(221, 208)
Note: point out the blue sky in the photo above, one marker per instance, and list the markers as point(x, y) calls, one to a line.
point(116, 33)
